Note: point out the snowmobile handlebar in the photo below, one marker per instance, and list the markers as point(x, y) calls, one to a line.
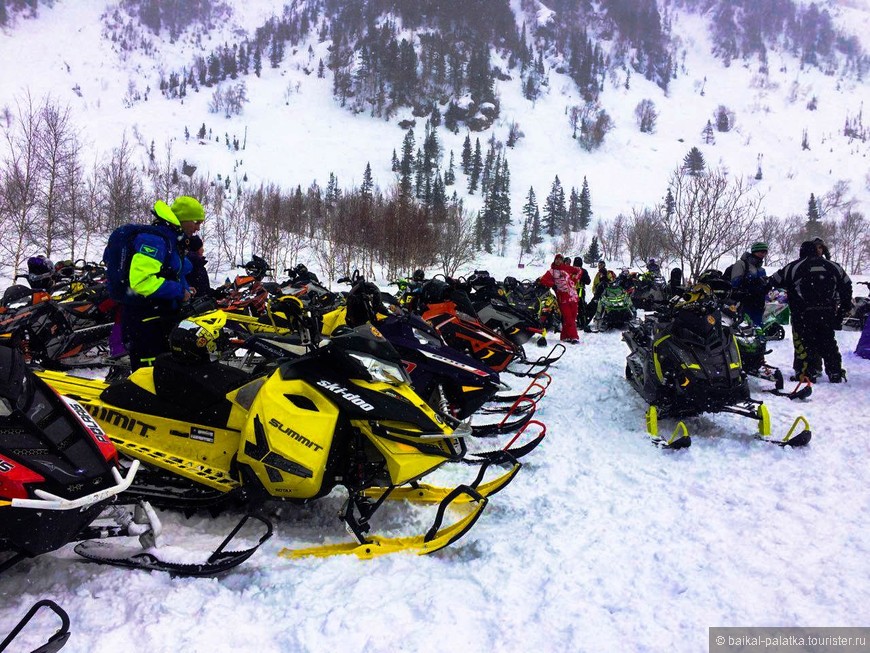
point(196, 306)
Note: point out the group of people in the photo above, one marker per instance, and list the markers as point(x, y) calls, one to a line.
point(166, 267)
point(569, 280)
point(819, 295)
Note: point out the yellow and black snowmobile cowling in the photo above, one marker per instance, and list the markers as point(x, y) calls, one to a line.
point(343, 414)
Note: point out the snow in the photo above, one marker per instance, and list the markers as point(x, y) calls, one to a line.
point(602, 542)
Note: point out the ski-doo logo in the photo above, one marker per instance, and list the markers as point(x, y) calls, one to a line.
point(6, 466)
point(293, 434)
point(355, 399)
point(87, 420)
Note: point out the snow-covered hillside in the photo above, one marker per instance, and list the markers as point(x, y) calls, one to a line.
point(295, 133)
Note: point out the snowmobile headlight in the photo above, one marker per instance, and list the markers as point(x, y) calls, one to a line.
point(383, 371)
point(426, 338)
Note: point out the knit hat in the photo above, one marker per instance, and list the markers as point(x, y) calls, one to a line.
point(187, 209)
point(194, 244)
point(758, 247)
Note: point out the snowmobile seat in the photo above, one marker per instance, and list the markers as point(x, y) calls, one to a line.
point(184, 391)
point(15, 293)
point(195, 386)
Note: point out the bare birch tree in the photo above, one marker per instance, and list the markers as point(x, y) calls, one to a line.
point(58, 151)
point(711, 218)
point(851, 244)
point(122, 195)
point(644, 235)
point(21, 171)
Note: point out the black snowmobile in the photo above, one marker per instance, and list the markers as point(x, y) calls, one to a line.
point(859, 310)
point(685, 361)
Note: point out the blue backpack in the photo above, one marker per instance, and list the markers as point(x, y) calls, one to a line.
point(119, 253)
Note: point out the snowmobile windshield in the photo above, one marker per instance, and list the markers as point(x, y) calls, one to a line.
point(695, 322)
point(16, 389)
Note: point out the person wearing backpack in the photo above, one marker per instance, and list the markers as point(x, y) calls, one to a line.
point(146, 271)
point(819, 294)
point(749, 279)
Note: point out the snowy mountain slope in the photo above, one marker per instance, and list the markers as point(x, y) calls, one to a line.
point(295, 133)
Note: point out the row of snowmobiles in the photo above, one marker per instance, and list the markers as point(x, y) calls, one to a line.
point(282, 400)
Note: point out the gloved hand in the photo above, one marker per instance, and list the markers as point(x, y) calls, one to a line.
point(838, 321)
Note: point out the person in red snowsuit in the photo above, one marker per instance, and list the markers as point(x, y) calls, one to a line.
point(562, 277)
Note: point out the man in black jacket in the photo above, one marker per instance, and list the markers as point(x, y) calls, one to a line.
point(819, 294)
point(582, 281)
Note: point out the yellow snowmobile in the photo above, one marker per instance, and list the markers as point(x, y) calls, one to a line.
point(343, 414)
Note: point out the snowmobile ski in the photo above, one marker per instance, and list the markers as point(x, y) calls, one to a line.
point(434, 539)
point(535, 391)
point(547, 359)
point(218, 562)
point(425, 493)
point(510, 453)
point(801, 391)
point(791, 439)
point(679, 439)
point(522, 411)
point(56, 641)
point(769, 373)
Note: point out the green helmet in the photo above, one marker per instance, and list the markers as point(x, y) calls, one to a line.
point(187, 209)
point(758, 247)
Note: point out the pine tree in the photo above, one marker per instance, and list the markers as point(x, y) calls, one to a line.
point(476, 168)
point(708, 134)
point(525, 245)
point(406, 166)
point(593, 254)
point(813, 209)
point(554, 208)
point(694, 162)
point(258, 61)
point(723, 120)
point(814, 222)
point(420, 174)
point(466, 155)
point(573, 216)
point(530, 214)
point(367, 184)
point(585, 206)
point(535, 236)
point(333, 192)
point(201, 133)
point(450, 175)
